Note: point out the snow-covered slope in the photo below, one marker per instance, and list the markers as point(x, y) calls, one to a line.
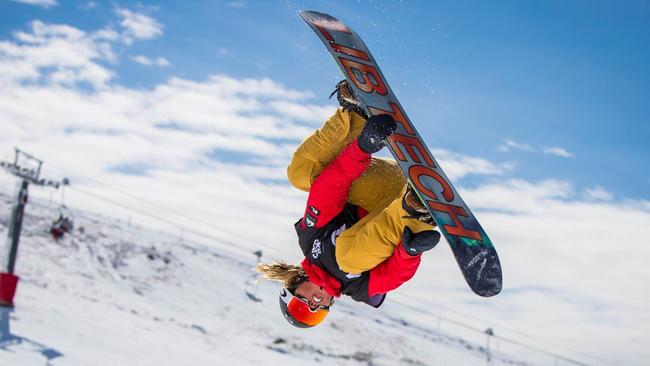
point(113, 294)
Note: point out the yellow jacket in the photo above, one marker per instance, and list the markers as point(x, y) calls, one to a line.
point(379, 191)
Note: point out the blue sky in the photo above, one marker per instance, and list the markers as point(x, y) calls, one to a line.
point(470, 74)
point(190, 113)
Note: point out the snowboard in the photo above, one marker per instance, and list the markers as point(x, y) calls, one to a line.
point(473, 250)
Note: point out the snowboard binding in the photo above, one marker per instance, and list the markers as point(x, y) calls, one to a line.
point(348, 99)
point(412, 204)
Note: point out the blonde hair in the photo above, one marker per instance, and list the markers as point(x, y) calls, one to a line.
point(288, 274)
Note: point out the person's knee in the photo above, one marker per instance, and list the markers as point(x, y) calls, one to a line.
point(353, 256)
point(300, 172)
point(348, 262)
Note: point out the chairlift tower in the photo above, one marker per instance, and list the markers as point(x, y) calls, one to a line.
point(28, 169)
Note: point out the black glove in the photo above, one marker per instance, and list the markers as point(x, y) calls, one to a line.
point(420, 242)
point(375, 132)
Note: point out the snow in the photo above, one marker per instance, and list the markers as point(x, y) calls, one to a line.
point(117, 294)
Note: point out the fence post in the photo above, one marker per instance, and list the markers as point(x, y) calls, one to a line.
point(488, 333)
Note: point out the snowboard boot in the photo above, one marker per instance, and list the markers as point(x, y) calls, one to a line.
point(347, 99)
point(414, 206)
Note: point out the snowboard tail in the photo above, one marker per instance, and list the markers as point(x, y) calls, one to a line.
point(473, 250)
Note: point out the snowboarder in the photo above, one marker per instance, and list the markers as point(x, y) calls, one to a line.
point(363, 230)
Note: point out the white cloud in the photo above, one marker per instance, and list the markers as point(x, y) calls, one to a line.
point(64, 55)
point(107, 34)
point(309, 113)
point(57, 54)
point(597, 193)
point(144, 60)
point(42, 3)
point(558, 151)
point(457, 166)
point(162, 62)
point(509, 145)
point(519, 196)
point(138, 26)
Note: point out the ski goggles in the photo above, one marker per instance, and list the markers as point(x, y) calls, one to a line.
point(298, 312)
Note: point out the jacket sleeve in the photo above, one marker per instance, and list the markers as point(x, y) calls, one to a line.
point(393, 272)
point(329, 192)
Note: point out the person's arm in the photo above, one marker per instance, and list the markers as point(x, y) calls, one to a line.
point(393, 272)
point(329, 192)
point(403, 263)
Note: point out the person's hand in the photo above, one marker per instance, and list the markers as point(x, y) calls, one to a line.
point(375, 132)
point(415, 244)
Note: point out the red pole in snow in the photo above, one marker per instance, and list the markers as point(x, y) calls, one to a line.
point(8, 283)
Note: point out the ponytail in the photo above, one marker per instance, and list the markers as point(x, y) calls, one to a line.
point(288, 274)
